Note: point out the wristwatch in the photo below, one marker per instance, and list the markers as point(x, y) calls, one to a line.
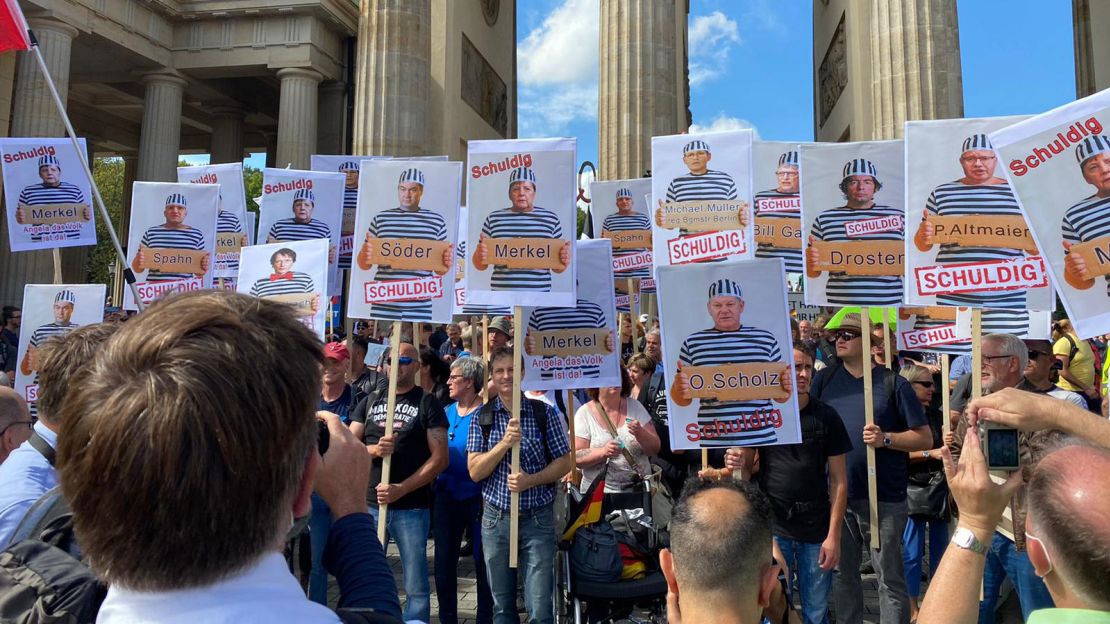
point(886, 440)
point(964, 538)
point(925, 454)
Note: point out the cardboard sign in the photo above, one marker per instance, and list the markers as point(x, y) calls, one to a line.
point(861, 257)
point(864, 227)
point(568, 342)
point(737, 382)
point(403, 290)
point(706, 215)
point(301, 302)
point(525, 253)
point(409, 253)
point(1001, 231)
point(51, 214)
point(1096, 254)
point(229, 242)
point(939, 313)
point(933, 336)
point(780, 233)
point(169, 260)
point(629, 239)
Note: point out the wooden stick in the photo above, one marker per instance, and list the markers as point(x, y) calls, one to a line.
point(976, 353)
point(946, 421)
point(575, 475)
point(886, 343)
point(57, 265)
point(390, 406)
point(485, 336)
point(705, 459)
point(869, 418)
point(514, 502)
point(473, 336)
point(633, 311)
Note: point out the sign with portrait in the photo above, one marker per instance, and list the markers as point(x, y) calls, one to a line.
point(294, 273)
point(47, 195)
point(231, 222)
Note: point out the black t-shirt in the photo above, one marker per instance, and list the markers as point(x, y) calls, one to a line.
point(415, 414)
point(794, 478)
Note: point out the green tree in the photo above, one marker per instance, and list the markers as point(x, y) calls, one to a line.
point(108, 174)
point(252, 181)
point(581, 222)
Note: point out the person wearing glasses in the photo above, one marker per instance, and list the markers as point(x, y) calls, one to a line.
point(782, 202)
point(418, 447)
point(1039, 373)
point(15, 422)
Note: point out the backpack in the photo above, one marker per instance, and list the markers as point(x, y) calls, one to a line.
point(539, 412)
point(595, 554)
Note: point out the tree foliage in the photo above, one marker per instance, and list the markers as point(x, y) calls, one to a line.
point(108, 174)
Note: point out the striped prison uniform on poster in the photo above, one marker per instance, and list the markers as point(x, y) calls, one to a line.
point(38, 337)
point(162, 237)
point(791, 258)
point(617, 222)
point(505, 223)
point(228, 223)
point(995, 321)
point(861, 290)
point(300, 283)
point(460, 253)
point(350, 205)
point(954, 199)
point(585, 315)
point(1086, 221)
point(289, 230)
point(400, 223)
point(41, 194)
point(707, 186)
point(740, 419)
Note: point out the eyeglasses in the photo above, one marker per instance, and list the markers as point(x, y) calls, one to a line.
point(971, 159)
point(846, 336)
point(924, 384)
point(451, 378)
point(404, 360)
point(29, 423)
point(1035, 354)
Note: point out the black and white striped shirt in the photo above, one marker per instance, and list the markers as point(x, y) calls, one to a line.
point(162, 237)
point(300, 283)
point(713, 347)
point(460, 252)
point(617, 222)
point(792, 258)
point(864, 290)
point(289, 230)
point(585, 315)
point(1086, 221)
point(400, 223)
point(709, 185)
point(350, 205)
point(40, 336)
point(506, 223)
point(228, 223)
point(42, 194)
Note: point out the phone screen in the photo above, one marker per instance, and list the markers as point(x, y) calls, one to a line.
point(1002, 448)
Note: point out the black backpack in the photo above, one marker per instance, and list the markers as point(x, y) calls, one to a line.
point(539, 412)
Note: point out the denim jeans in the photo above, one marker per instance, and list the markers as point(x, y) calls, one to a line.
point(536, 559)
point(319, 523)
point(450, 520)
point(913, 547)
point(894, 604)
point(409, 528)
point(813, 582)
point(1004, 560)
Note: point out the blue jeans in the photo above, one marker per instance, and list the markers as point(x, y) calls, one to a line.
point(450, 520)
point(536, 559)
point(814, 583)
point(1004, 560)
point(319, 523)
point(913, 549)
point(409, 528)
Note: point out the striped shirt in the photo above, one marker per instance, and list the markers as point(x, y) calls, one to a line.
point(162, 237)
point(506, 223)
point(585, 315)
point(300, 283)
point(228, 223)
point(1087, 221)
point(617, 222)
point(842, 289)
point(460, 252)
point(40, 336)
point(350, 205)
point(713, 347)
point(64, 193)
point(401, 223)
point(792, 258)
point(289, 230)
point(709, 185)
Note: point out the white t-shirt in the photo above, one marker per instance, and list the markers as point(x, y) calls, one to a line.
point(620, 476)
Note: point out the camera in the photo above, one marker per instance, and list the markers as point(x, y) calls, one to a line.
point(323, 437)
point(1000, 447)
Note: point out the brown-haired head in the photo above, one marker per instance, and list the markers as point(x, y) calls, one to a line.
point(187, 441)
point(64, 360)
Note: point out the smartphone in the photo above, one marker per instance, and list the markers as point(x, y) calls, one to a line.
point(1000, 446)
point(323, 437)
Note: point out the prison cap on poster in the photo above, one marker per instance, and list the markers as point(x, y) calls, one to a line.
point(696, 145)
point(66, 296)
point(725, 288)
point(176, 199)
point(48, 160)
point(1092, 146)
point(976, 142)
point(304, 194)
point(624, 192)
point(412, 174)
point(522, 174)
point(789, 158)
point(350, 165)
point(860, 166)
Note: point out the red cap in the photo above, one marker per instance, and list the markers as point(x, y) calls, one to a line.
point(337, 351)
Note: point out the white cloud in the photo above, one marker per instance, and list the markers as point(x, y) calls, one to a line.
point(546, 111)
point(711, 38)
point(563, 50)
point(724, 123)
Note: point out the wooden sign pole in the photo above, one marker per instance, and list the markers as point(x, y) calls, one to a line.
point(705, 459)
point(976, 353)
point(485, 336)
point(57, 265)
point(574, 475)
point(946, 421)
point(390, 407)
point(514, 502)
point(869, 418)
point(633, 311)
point(886, 343)
point(473, 336)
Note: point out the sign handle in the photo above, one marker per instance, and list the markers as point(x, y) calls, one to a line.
point(485, 336)
point(705, 459)
point(575, 476)
point(390, 406)
point(869, 418)
point(633, 309)
point(976, 353)
point(886, 342)
point(514, 502)
point(57, 254)
point(473, 336)
point(946, 420)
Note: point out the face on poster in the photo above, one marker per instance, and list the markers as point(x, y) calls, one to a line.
point(777, 203)
point(1059, 165)
point(302, 205)
point(575, 347)
point(51, 310)
point(522, 222)
point(461, 260)
point(171, 239)
point(621, 214)
point(729, 364)
point(231, 224)
point(854, 223)
point(47, 194)
point(405, 228)
point(702, 191)
point(348, 166)
point(294, 273)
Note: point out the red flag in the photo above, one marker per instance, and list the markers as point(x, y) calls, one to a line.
point(13, 27)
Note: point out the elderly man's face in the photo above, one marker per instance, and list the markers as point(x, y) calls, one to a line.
point(175, 214)
point(624, 205)
point(725, 312)
point(282, 263)
point(998, 371)
point(978, 165)
point(302, 210)
point(1096, 171)
point(409, 194)
point(788, 178)
point(697, 161)
point(63, 311)
point(51, 175)
point(806, 329)
point(334, 370)
point(351, 178)
point(522, 195)
point(454, 333)
point(653, 346)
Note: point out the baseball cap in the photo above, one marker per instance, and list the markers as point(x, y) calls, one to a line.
point(1039, 346)
point(502, 325)
point(337, 351)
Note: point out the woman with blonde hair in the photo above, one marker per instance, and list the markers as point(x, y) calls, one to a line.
point(1077, 361)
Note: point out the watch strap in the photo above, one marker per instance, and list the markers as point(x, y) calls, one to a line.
point(964, 538)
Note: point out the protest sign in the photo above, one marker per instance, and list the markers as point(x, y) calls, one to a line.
point(252, 227)
point(799, 310)
point(349, 167)
point(701, 192)
point(171, 239)
point(405, 229)
point(231, 222)
point(621, 214)
point(777, 203)
point(302, 205)
point(729, 370)
point(48, 198)
point(460, 306)
point(294, 273)
point(947, 329)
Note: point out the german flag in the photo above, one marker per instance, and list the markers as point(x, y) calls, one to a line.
point(588, 509)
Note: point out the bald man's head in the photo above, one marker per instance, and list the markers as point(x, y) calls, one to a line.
point(14, 417)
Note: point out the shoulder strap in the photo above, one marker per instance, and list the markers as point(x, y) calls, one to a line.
point(42, 446)
point(1074, 349)
point(539, 412)
point(599, 409)
point(49, 505)
point(485, 420)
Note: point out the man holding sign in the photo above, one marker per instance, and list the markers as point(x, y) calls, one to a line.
point(301, 226)
point(782, 204)
point(625, 219)
point(285, 281)
point(173, 234)
point(1089, 220)
point(52, 191)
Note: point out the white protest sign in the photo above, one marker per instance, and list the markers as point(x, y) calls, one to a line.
point(303, 205)
point(294, 273)
point(231, 223)
point(47, 195)
point(777, 203)
point(621, 214)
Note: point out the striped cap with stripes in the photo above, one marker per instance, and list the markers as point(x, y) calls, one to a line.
point(176, 199)
point(789, 158)
point(1091, 146)
point(412, 174)
point(350, 165)
point(49, 159)
point(66, 296)
point(522, 174)
point(725, 288)
point(624, 192)
point(696, 145)
point(305, 194)
point(859, 166)
point(976, 142)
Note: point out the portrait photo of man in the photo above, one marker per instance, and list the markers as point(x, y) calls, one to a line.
point(769, 205)
point(229, 225)
point(625, 219)
point(349, 169)
point(1089, 219)
point(51, 190)
point(301, 226)
point(64, 303)
point(173, 234)
point(700, 183)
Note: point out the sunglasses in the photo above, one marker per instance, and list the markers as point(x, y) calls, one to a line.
point(404, 360)
point(1035, 354)
point(924, 384)
point(847, 336)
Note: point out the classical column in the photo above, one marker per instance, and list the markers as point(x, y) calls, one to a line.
point(331, 129)
point(915, 51)
point(227, 135)
point(638, 92)
point(296, 137)
point(160, 136)
point(392, 77)
point(1091, 21)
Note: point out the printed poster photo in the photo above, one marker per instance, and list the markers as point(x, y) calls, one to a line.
point(302, 205)
point(231, 224)
point(51, 310)
point(348, 166)
point(294, 273)
point(47, 195)
point(621, 214)
point(461, 306)
point(854, 223)
point(937, 329)
point(701, 185)
point(171, 239)
point(522, 222)
point(405, 230)
point(1058, 163)
point(729, 369)
point(777, 203)
point(574, 347)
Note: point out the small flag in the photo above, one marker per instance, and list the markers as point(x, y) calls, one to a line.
point(13, 28)
point(588, 510)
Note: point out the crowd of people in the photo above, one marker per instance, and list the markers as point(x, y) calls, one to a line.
point(190, 484)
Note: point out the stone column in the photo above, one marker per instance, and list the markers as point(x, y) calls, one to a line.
point(638, 91)
point(1091, 21)
point(296, 137)
point(160, 136)
point(915, 51)
point(331, 132)
point(227, 135)
point(392, 78)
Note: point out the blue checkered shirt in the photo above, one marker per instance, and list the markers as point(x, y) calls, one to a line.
point(495, 488)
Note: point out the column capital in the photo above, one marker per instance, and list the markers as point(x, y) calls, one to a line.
point(231, 111)
point(164, 76)
point(39, 24)
point(300, 72)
